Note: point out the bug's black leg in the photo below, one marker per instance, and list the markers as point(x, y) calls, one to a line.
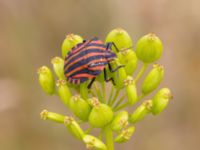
point(109, 45)
point(113, 70)
point(106, 79)
point(91, 82)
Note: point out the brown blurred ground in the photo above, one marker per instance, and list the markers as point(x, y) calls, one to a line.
point(31, 32)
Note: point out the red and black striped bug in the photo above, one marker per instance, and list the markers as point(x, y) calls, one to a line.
point(87, 60)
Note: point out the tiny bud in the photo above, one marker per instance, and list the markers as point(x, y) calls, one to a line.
point(120, 75)
point(58, 65)
point(141, 111)
point(125, 135)
point(129, 59)
point(131, 90)
point(73, 127)
point(120, 37)
point(149, 48)
point(93, 142)
point(46, 115)
point(63, 91)
point(80, 107)
point(120, 121)
point(46, 80)
point(153, 79)
point(69, 42)
point(161, 100)
point(100, 115)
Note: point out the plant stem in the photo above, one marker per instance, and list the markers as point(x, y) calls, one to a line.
point(103, 90)
point(109, 138)
point(122, 106)
point(144, 67)
point(98, 92)
point(111, 95)
point(115, 97)
point(120, 101)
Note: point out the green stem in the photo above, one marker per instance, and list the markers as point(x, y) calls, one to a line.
point(115, 97)
point(122, 106)
point(109, 138)
point(89, 130)
point(111, 95)
point(144, 67)
point(103, 90)
point(120, 101)
point(98, 92)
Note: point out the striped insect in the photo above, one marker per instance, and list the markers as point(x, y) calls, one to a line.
point(87, 60)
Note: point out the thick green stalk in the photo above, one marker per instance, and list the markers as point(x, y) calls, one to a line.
point(109, 138)
point(111, 95)
point(115, 97)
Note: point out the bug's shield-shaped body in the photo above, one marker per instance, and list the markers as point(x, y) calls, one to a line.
point(87, 60)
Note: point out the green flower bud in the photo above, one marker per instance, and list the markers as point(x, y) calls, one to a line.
point(73, 127)
point(121, 39)
point(93, 142)
point(46, 80)
point(58, 66)
point(120, 75)
point(80, 107)
point(129, 59)
point(100, 115)
point(160, 100)
point(125, 135)
point(120, 121)
point(149, 48)
point(69, 42)
point(153, 79)
point(141, 111)
point(63, 91)
point(46, 115)
point(131, 90)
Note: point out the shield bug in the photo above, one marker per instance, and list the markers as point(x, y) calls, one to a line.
point(87, 60)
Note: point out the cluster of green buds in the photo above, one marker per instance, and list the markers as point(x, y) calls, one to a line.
point(105, 109)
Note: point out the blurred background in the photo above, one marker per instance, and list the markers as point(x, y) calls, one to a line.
point(31, 33)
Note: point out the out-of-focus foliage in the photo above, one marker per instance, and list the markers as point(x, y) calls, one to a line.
point(30, 34)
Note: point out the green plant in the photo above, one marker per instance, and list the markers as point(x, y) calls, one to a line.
point(93, 106)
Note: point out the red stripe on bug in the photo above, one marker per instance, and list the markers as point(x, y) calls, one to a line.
point(97, 68)
point(88, 48)
point(84, 75)
point(81, 58)
point(79, 48)
point(83, 66)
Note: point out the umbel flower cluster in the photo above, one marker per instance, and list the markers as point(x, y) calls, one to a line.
point(106, 109)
